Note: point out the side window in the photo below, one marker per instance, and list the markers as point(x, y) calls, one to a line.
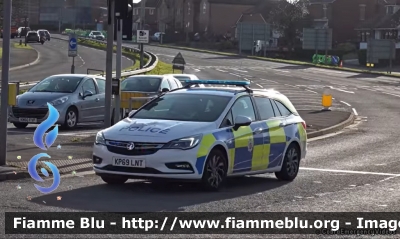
point(276, 111)
point(89, 85)
point(172, 83)
point(264, 107)
point(164, 84)
point(228, 121)
point(244, 107)
point(284, 111)
point(101, 84)
point(178, 83)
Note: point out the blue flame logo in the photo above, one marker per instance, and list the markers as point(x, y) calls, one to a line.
point(40, 132)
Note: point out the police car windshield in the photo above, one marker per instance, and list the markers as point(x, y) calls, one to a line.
point(142, 84)
point(184, 107)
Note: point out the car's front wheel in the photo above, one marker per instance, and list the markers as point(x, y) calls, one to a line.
point(114, 179)
point(71, 118)
point(290, 165)
point(215, 171)
point(20, 125)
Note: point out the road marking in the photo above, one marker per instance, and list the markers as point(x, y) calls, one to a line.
point(311, 91)
point(355, 111)
point(333, 88)
point(269, 80)
point(345, 103)
point(196, 70)
point(350, 171)
point(220, 70)
point(235, 75)
point(189, 64)
point(292, 86)
point(83, 62)
point(306, 78)
point(281, 71)
point(239, 70)
point(260, 85)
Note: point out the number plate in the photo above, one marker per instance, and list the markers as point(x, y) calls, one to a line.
point(27, 120)
point(125, 162)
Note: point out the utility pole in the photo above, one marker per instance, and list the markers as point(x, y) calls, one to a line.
point(109, 62)
point(118, 67)
point(142, 16)
point(7, 9)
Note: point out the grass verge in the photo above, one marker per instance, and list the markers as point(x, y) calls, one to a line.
point(293, 62)
point(17, 45)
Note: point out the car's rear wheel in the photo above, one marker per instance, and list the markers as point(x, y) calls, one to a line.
point(215, 171)
point(20, 125)
point(290, 165)
point(71, 118)
point(114, 179)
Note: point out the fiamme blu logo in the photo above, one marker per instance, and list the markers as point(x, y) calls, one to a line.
point(45, 144)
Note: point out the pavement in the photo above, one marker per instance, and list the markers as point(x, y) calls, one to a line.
point(20, 57)
point(353, 170)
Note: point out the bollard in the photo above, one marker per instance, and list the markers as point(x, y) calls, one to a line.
point(326, 99)
point(20, 42)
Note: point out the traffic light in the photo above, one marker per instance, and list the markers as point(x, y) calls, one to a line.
point(124, 8)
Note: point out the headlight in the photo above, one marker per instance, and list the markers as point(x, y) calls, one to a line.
point(184, 143)
point(60, 101)
point(100, 138)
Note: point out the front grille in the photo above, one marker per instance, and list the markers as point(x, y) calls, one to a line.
point(120, 147)
point(131, 170)
point(38, 113)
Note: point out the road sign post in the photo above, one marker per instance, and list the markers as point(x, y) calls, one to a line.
point(109, 63)
point(72, 50)
point(178, 63)
point(142, 37)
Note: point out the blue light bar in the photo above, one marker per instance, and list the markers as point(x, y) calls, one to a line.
point(218, 82)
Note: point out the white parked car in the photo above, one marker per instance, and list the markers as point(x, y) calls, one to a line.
point(184, 77)
point(204, 134)
point(97, 35)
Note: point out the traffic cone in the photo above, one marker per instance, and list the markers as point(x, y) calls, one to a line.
point(341, 64)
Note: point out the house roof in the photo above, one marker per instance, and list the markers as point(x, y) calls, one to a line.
point(381, 21)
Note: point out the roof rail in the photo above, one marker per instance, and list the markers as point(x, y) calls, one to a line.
point(245, 84)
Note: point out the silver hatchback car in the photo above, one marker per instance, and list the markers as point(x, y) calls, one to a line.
point(79, 98)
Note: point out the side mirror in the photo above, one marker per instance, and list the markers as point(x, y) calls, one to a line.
point(87, 93)
point(240, 121)
point(164, 90)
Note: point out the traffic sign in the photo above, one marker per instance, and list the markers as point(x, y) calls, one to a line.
point(142, 36)
point(179, 59)
point(72, 46)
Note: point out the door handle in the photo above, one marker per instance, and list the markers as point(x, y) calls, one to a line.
point(258, 130)
point(97, 99)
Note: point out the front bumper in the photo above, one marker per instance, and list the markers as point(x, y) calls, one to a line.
point(164, 163)
point(34, 115)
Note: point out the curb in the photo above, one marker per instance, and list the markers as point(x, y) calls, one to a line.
point(36, 61)
point(12, 176)
point(278, 61)
point(334, 128)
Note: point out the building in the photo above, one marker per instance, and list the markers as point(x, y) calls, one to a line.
point(343, 16)
point(381, 22)
point(150, 20)
point(211, 16)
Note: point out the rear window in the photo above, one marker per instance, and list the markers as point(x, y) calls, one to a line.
point(142, 84)
point(32, 34)
point(182, 79)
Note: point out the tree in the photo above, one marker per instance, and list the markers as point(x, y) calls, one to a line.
point(289, 18)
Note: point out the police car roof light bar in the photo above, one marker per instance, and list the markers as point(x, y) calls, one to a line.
point(245, 84)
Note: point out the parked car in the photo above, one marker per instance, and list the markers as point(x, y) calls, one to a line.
point(97, 35)
point(22, 31)
point(32, 36)
point(157, 36)
point(184, 77)
point(46, 34)
point(79, 98)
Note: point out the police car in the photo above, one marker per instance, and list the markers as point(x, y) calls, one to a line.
point(204, 134)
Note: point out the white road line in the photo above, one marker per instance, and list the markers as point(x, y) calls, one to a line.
point(189, 64)
point(345, 103)
point(349, 171)
point(259, 85)
point(220, 70)
point(311, 91)
point(355, 111)
point(196, 70)
point(269, 80)
point(239, 70)
point(281, 71)
point(235, 75)
point(292, 86)
point(281, 74)
point(350, 92)
point(306, 78)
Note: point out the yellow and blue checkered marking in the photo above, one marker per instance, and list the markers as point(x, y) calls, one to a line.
point(248, 151)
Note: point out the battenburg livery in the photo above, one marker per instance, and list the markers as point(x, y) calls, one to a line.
point(204, 134)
